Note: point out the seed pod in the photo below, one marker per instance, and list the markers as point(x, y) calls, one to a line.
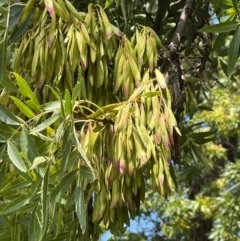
point(141, 45)
point(160, 78)
point(100, 72)
point(73, 10)
point(107, 25)
point(116, 192)
point(134, 69)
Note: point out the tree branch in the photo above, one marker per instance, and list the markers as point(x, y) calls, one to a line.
point(178, 76)
point(176, 39)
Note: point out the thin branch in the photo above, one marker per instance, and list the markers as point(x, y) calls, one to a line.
point(176, 39)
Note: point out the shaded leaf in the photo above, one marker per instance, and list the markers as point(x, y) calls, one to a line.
point(44, 198)
point(66, 148)
point(235, 4)
point(76, 91)
point(4, 40)
point(62, 186)
point(80, 206)
point(6, 132)
point(36, 228)
point(219, 40)
point(233, 51)
point(26, 12)
point(86, 172)
point(16, 204)
point(8, 117)
point(60, 237)
point(8, 84)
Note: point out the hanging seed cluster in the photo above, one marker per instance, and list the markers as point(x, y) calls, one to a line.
point(132, 144)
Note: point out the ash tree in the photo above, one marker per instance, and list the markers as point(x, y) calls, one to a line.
point(103, 100)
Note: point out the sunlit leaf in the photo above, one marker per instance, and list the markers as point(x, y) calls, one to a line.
point(15, 157)
point(22, 107)
point(220, 27)
point(28, 146)
point(27, 92)
point(46, 123)
point(51, 106)
point(38, 160)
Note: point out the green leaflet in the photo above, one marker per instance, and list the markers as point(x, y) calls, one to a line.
point(26, 12)
point(123, 7)
point(38, 160)
point(44, 199)
point(66, 149)
point(2, 151)
point(4, 38)
point(68, 103)
point(219, 40)
point(6, 132)
point(22, 107)
point(80, 150)
point(46, 123)
point(233, 52)
point(220, 27)
point(8, 117)
point(62, 186)
point(76, 91)
point(27, 92)
point(86, 172)
point(60, 237)
point(235, 4)
point(8, 84)
point(16, 204)
point(51, 106)
point(3, 166)
point(80, 207)
point(28, 146)
point(14, 185)
point(15, 157)
point(36, 229)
